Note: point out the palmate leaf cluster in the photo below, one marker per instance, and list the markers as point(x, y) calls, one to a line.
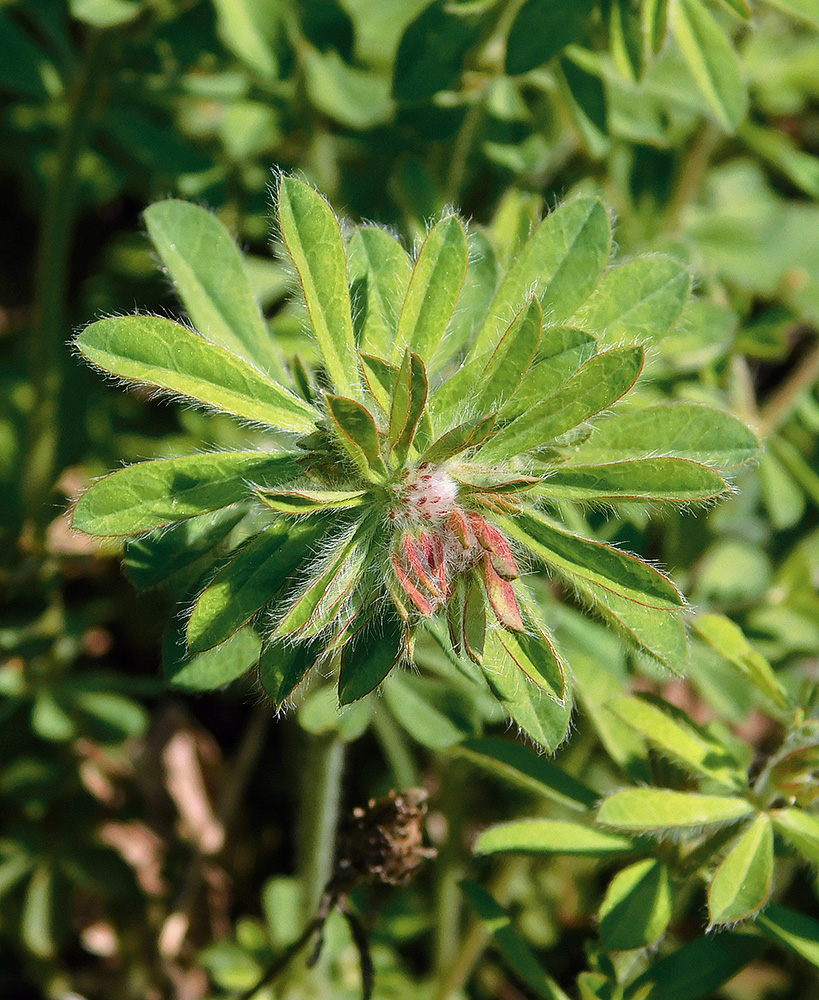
point(445, 380)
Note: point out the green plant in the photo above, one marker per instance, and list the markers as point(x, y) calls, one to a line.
point(431, 438)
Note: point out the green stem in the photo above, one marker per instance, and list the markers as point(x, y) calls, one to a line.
point(395, 749)
point(781, 404)
point(47, 355)
point(691, 177)
point(463, 147)
point(319, 818)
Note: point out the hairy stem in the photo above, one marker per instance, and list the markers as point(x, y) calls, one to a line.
point(319, 817)
point(47, 353)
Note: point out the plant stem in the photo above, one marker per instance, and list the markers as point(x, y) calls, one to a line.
point(691, 176)
point(395, 749)
point(787, 397)
point(319, 817)
point(47, 354)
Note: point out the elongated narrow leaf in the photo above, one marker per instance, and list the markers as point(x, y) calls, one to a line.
point(548, 836)
point(339, 574)
point(207, 270)
point(642, 298)
point(380, 377)
point(427, 710)
point(212, 668)
point(675, 735)
point(460, 438)
point(562, 351)
point(152, 494)
point(712, 61)
point(536, 655)
point(562, 261)
point(803, 10)
point(676, 430)
point(433, 289)
point(637, 906)
point(541, 717)
point(313, 239)
point(367, 659)
point(409, 397)
point(650, 809)
point(378, 269)
point(476, 295)
point(728, 639)
point(169, 555)
point(158, 352)
point(517, 953)
point(697, 970)
point(510, 360)
point(578, 558)
point(671, 479)
point(357, 434)
point(517, 764)
point(742, 883)
point(793, 929)
point(310, 501)
point(37, 921)
point(249, 581)
point(801, 829)
point(283, 666)
point(597, 385)
point(659, 634)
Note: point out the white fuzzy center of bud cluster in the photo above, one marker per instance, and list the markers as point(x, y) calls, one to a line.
point(427, 494)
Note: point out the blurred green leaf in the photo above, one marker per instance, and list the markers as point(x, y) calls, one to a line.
point(637, 907)
point(742, 883)
point(648, 809)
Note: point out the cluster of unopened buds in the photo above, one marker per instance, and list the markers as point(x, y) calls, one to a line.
point(443, 552)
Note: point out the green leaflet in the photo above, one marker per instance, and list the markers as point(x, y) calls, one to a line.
point(513, 946)
point(598, 384)
point(535, 653)
point(548, 836)
point(712, 61)
point(578, 558)
point(433, 289)
point(626, 39)
point(420, 705)
point(804, 10)
point(517, 764)
point(380, 377)
point(793, 929)
point(675, 735)
point(562, 351)
point(510, 360)
point(249, 581)
point(675, 430)
point(476, 295)
point(329, 587)
point(647, 809)
point(313, 239)
point(161, 353)
point(370, 656)
point(801, 829)
point(672, 479)
point(310, 501)
point(378, 269)
point(743, 882)
point(642, 298)
point(467, 435)
point(151, 494)
point(563, 260)
point(168, 555)
point(697, 969)
point(212, 667)
point(409, 397)
point(283, 666)
point(637, 906)
point(540, 716)
point(358, 435)
point(728, 639)
point(207, 270)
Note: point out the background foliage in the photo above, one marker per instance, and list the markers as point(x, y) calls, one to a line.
point(162, 842)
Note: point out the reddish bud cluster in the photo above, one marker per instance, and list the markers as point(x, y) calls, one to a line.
point(442, 543)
